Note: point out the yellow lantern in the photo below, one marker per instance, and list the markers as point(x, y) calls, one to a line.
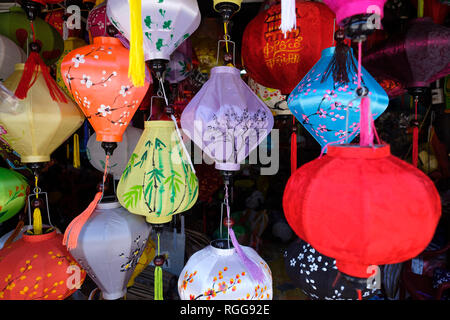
point(39, 124)
point(158, 180)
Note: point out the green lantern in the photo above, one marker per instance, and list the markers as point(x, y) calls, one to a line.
point(13, 193)
point(16, 26)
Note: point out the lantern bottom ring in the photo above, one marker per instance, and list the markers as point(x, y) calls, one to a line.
point(31, 159)
point(113, 296)
point(228, 166)
point(159, 220)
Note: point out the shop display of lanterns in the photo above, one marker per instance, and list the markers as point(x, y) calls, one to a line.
point(10, 55)
point(13, 193)
point(109, 247)
point(38, 267)
point(158, 181)
point(226, 119)
point(217, 273)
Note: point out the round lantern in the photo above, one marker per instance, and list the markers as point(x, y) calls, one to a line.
point(40, 124)
point(13, 193)
point(16, 26)
point(178, 67)
point(158, 182)
point(271, 97)
point(38, 267)
point(120, 157)
point(318, 277)
point(360, 206)
point(4, 238)
point(328, 109)
point(226, 119)
point(277, 62)
point(69, 45)
point(217, 273)
point(10, 55)
point(97, 77)
point(163, 25)
point(98, 22)
point(109, 247)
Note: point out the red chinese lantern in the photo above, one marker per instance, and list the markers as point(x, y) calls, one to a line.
point(362, 206)
point(278, 62)
point(38, 267)
point(97, 77)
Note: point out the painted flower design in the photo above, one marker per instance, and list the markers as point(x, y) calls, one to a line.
point(86, 81)
point(79, 58)
point(322, 128)
point(124, 90)
point(104, 110)
point(292, 262)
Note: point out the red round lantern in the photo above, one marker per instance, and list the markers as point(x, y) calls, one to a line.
point(38, 267)
point(278, 62)
point(362, 206)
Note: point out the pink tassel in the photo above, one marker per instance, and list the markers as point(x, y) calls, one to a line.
point(366, 135)
point(293, 147)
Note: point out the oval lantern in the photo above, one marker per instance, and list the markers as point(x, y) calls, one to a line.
point(120, 157)
point(271, 97)
point(97, 77)
point(109, 247)
point(343, 214)
point(16, 26)
point(318, 277)
point(36, 268)
point(10, 55)
point(41, 124)
point(13, 193)
point(158, 181)
point(226, 119)
point(217, 273)
point(164, 24)
point(329, 110)
point(277, 62)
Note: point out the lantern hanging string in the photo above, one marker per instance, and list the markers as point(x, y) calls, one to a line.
point(37, 216)
point(415, 149)
point(226, 35)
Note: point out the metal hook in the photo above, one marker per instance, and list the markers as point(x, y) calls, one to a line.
point(226, 41)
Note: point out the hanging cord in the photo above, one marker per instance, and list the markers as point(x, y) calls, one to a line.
point(415, 144)
point(226, 35)
point(74, 228)
point(76, 151)
point(37, 216)
point(158, 278)
point(293, 146)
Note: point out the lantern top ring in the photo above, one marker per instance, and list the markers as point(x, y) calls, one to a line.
point(355, 151)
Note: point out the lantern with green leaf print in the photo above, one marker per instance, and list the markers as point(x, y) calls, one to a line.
point(159, 180)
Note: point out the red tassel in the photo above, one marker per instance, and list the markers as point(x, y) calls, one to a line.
point(293, 147)
point(30, 74)
point(359, 294)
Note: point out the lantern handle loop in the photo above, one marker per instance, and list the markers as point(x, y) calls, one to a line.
point(226, 40)
point(182, 143)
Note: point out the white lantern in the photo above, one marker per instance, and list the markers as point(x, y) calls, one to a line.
point(217, 273)
point(10, 55)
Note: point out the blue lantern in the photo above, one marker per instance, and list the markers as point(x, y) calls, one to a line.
point(329, 109)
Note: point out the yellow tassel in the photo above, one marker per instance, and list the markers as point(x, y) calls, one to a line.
point(76, 151)
point(420, 8)
point(136, 68)
point(37, 221)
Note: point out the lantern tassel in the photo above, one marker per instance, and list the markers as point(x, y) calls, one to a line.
point(136, 69)
point(415, 148)
point(158, 280)
point(366, 135)
point(288, 16)
point(293, 147)
point(37, 221)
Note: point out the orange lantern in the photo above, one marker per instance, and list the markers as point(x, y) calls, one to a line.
point(38, 267)
point(97, 77)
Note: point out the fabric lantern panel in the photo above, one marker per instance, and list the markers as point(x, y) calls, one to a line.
point(40, 124)
point(271, 97)
point(119, 159)
point(16, 26)
point(329, 110)
point(318, 277)
point(36, 268)
point(158, 180)
point(217, 273)
point(166, 24)
point(13, 193)
point(98, 22)
point(109, 247)
point(226, 119)
point(18, 235)
point(10, 55)
point(97, 77)
point(345, 227)
point(277, 62)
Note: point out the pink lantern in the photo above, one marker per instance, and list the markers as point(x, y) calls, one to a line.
point(226, 119)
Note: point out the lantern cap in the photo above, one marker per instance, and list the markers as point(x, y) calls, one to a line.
point(107, 40)
point(222, 247)
point(113, 296)
point(108, 205)
point(227, 166)
point(158, 124)
point(39, 237)
point(225, 69)
point(348, 8)
point(355, 151)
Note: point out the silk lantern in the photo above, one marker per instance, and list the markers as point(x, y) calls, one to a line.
point(157, 28)
point(96, 76)
point(226, 119)
point(271, 97)
point(217, 273)
point(98, 22)
point(119, 159)
point(17, 234)
point(13, 192)
point(329, 109)
point(318, 277)
point(38, 267)
point(109, 247)
point(40, 124)
point(10, 55)
point(16, 26)
point(69, 45)
point(178, 67)
point(158, 180)
point(374, 203)
point(277, 62)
